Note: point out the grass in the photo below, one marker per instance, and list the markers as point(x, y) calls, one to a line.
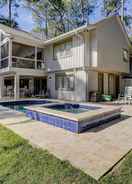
point(21, 163)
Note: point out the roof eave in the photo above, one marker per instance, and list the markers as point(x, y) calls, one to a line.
point(69, 34)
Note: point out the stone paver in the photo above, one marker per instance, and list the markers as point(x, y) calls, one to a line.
point(94, 151)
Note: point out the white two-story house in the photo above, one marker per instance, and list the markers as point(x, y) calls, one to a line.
point(92, 58)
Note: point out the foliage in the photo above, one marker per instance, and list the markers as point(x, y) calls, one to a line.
point(7, 22)
point(59, 16)
point(115, 7)
point(12, 12)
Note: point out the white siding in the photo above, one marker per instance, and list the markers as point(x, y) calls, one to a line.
point(93, 49)
point(92, 81)
point(79, 93)
point(74, 61)
point(110, 42)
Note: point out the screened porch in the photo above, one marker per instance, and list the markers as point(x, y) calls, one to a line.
point(18, 55)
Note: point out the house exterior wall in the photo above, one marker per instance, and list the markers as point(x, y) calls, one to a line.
point(92, 81)
point(110, 44)
point(79, 92)
point(76, 60)
point(93, 49)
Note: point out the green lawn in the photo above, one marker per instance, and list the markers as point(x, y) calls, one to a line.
point(20, 163)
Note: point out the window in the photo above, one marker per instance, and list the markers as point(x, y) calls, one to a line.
point(23, 51)
point(63, 49)
point(4, 50)
point(64, 82)
point(39, 54)
point(125, 55)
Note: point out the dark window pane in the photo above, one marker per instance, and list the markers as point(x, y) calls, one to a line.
point(24, 51)
point(39, 54)
point(4, 50)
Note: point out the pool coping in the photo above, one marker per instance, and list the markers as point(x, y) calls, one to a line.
point(105, 110)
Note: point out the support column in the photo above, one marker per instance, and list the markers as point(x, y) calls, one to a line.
point(16, 86)
point(31, 85)
point(35, 57)
point(106, 83)
point(0, 50)
point(10, 53)
point(1, 87)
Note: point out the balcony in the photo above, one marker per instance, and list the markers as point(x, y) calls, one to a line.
point(22, 63)
point(18, 55)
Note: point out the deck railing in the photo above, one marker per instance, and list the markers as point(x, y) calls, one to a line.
point(28, 63)
point(18, 62)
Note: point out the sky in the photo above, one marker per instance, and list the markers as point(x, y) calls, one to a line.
point(26, 22)
point(24, 18)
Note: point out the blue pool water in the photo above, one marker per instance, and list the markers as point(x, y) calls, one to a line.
point(20, 105)
point(72, 108)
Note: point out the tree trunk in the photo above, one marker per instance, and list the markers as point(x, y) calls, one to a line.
point(10, 12)
point(82, 11)
point(46, 23)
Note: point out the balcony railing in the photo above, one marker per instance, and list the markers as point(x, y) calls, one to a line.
point(18, 62)
point(28, 63)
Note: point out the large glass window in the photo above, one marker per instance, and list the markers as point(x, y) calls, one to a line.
point(64, 82)
point(62, 49)
point(4, 50)
point(23, 51)
point(24, 56)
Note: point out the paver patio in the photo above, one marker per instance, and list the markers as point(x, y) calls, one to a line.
point(95, 151)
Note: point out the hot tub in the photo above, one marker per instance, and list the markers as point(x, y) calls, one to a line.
point(73, 117)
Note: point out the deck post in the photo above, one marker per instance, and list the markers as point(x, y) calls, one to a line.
point(1, 86)
point(10, 53)
point(16, 86)
point(35, 57)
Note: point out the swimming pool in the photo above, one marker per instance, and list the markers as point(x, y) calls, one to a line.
point(73, 108)
point(20, 105)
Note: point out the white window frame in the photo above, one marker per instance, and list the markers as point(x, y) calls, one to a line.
point(62, 49)
point(125, 55)
point(64, 82)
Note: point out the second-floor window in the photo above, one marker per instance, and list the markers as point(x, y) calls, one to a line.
point(4, 50)
point(63, 49)
point(125, 55)
point(25, 56)
point(23, 51)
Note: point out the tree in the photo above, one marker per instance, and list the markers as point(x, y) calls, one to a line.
point(12, 13)
point(6, 22)
point(54, 17)
point(80, 11)
point(112, 7)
